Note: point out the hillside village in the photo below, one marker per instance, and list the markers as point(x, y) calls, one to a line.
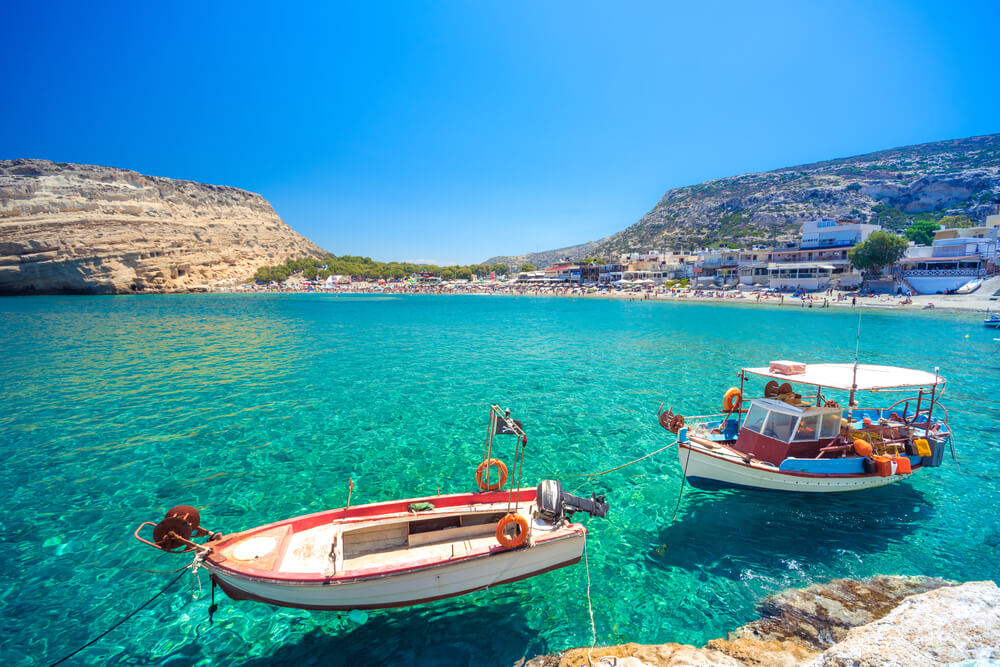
point(819, 259)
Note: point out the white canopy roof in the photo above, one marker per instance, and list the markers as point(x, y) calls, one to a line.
point(870, 377)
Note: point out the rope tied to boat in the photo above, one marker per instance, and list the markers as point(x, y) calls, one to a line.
point(590, 606)
point(129, 615)
point(624, 465)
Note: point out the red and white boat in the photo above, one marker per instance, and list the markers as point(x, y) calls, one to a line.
point(395, 553)
point(781, 442)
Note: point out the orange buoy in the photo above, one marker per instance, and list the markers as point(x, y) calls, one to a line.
point(862, 447)
point(519, 536)
point(481, 473)
point(732, 399)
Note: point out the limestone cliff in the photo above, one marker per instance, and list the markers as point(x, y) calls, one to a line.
point(81, 228)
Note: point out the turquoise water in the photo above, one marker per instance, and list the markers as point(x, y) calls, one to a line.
point(260, 407)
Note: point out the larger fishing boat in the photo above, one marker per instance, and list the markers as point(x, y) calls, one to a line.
point(395, 553)
point(782, 441)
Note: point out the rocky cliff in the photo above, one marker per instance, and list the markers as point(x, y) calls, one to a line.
point(547, 258)
point(891, 188)
point(877, 621)
point(80, 228)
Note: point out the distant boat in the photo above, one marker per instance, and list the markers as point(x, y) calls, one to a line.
point(781, 442)
point(395, 553)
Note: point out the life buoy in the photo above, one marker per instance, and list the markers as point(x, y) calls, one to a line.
point(519, 537)
point(481, 472)
point(732, 399)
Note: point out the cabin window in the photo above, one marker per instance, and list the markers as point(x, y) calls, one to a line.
point(831, 425)
point(808, 428)
point(779, 426)
point(755, 419)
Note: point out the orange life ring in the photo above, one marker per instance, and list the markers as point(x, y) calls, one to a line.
point(516, 540)
point(732, 399)
point(483, 467)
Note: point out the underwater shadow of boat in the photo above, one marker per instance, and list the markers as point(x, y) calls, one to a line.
point(724, 532)
point(442, 633)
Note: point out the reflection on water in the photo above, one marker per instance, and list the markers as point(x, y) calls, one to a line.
point(260, 407)
point(804, 529)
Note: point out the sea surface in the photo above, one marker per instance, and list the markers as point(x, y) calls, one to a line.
point(260, 407)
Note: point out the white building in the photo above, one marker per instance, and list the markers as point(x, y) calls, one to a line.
point(821, 258)
point(956, 257)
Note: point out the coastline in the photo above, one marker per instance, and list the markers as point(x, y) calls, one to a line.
point(978, 302)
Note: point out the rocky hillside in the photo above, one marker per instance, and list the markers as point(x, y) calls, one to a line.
point(88, 229)
point(891, 187)
point(547, 258)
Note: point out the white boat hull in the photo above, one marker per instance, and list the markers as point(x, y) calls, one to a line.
point(704, 467)
point(421, 585)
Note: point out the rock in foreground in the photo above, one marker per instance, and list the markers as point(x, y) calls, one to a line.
point(951, 625)
point(81, 228)
point(877, 621)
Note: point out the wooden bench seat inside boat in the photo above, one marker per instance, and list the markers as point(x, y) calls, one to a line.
point(335, 548)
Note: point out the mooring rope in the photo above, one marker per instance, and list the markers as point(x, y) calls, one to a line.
point(680, 493)
point(624, 465)
point(129, 616)
point(590, 606)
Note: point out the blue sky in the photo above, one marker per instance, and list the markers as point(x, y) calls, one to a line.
point(454, 131)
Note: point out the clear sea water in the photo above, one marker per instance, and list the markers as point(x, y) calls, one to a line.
point(260, 407)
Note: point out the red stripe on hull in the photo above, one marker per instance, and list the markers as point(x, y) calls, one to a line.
point(775, 471)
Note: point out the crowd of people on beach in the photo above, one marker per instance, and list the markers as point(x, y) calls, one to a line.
point(800, 298)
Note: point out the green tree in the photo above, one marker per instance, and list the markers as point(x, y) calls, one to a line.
point(310, 272)
point(882, 249)
point(500, 269)
point(921, 232)
point(528, 267)
point(953, 221)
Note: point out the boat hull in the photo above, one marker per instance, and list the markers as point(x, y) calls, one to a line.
point(704, 467)
point(401, 590)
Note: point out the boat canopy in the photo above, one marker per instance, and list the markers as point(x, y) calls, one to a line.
point(869, 378)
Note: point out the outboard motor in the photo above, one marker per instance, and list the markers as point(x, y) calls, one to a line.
point(554, 504)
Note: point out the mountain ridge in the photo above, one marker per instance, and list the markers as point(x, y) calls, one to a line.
point(891, 187)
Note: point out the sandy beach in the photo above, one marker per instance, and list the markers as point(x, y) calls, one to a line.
point(982, 300)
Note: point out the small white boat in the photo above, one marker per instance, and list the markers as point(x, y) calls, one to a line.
point(396, 553)
point(969, 287)
point(383, 555)
point(780, 442)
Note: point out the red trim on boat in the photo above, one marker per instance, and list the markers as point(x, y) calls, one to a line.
point(791, 473)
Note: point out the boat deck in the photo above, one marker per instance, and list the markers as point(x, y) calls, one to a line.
point(352, 547)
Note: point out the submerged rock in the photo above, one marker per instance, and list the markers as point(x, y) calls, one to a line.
point(820, 615)
point(879, 621)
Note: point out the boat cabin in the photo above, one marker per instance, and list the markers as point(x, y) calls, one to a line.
point(774, 430)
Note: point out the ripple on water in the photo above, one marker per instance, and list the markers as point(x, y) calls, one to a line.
point(261, 407)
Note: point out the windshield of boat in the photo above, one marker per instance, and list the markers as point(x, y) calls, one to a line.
point(786, 423)
point(779, 426)
point(755, 418)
